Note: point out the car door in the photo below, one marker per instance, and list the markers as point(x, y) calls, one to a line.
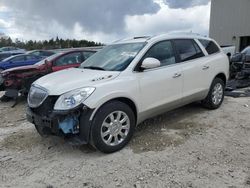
point(69, 60)
point(160, 88)
point(211, 60)
point(195, 66)
point(31, 60)
point(16, 62)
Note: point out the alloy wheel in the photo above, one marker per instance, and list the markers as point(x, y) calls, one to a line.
point(217, 94)
point(115, 128)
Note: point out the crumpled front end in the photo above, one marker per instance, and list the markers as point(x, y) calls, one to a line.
point(70, 124)
point(21, 78)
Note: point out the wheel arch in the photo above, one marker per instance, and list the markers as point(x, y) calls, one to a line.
point(222, 76)
point(124, 100)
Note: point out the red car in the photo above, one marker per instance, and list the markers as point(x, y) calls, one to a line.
point(18, 80)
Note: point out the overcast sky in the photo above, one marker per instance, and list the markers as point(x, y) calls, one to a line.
point(101, 20)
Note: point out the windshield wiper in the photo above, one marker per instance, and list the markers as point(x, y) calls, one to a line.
point(94, 68)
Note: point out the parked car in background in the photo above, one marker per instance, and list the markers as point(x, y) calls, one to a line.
point(239, 67)
point(246, 50)
point(229, 50)
point(242, 71)
point(19, 60)
point(126, 83)
point(5, 55)
point(13, 50)
point(18, 80)
point(42, 53)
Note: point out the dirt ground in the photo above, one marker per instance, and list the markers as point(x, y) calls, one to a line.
point(188, 147)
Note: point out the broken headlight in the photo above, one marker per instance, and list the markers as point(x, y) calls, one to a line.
point(73, 98)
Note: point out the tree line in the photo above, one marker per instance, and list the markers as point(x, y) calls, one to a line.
point(47, 44)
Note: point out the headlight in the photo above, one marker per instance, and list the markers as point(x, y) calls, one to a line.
point(73, 98)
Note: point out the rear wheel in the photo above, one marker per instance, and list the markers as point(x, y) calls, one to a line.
point(215, 96)
point(112, 127)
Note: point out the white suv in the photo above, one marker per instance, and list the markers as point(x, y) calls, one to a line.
point(125, 83)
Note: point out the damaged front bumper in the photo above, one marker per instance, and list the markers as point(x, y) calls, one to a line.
point(72, 124)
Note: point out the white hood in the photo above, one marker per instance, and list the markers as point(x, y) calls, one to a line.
point(67, 80)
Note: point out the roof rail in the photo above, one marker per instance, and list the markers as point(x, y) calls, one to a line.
point(142, 37)
point(139, 37)
point(185, 33)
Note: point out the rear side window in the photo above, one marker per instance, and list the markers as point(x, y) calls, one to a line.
point(163, 51)
point(30, 57)
point(47, 53)
point(210, 46)
point(188, 49)
point(18, 58)
point(69, 59)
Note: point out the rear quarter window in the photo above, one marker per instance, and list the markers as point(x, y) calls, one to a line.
point(210, 46)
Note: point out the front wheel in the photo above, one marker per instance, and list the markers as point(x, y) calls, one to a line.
point(112, 127)
point(215, 96)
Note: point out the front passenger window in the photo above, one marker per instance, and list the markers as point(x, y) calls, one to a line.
point(163, 51)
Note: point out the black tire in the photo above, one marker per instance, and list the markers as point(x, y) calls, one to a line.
point(4, 98)
point(42, 133)
point(101, 115)
point(208, 101)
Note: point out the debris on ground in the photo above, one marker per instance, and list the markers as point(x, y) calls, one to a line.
point(187, 147)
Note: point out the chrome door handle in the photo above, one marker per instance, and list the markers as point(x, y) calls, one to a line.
point(205, 67)
point(176, 75)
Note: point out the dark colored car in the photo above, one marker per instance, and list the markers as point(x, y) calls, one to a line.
point(237, 65)
point(18, 61)
point(12, 49)
point(5, 55)
point(18, 80)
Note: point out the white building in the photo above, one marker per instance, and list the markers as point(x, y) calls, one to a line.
point(230, 22)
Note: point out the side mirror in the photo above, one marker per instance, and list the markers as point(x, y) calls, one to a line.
point(150, 63)
point(236, 58)
point(48, 64)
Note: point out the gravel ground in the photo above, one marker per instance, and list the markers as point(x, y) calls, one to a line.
point(188, 147)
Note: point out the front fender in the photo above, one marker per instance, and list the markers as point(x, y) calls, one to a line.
point(96, 103)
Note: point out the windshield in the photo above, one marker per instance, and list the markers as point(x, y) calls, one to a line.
point(114, 57)
point(48, 59)
point(4, 49)
point(246, 50)
point(9, 58)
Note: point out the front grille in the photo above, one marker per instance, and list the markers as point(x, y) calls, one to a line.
point(36, 96)
point(46, 108)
